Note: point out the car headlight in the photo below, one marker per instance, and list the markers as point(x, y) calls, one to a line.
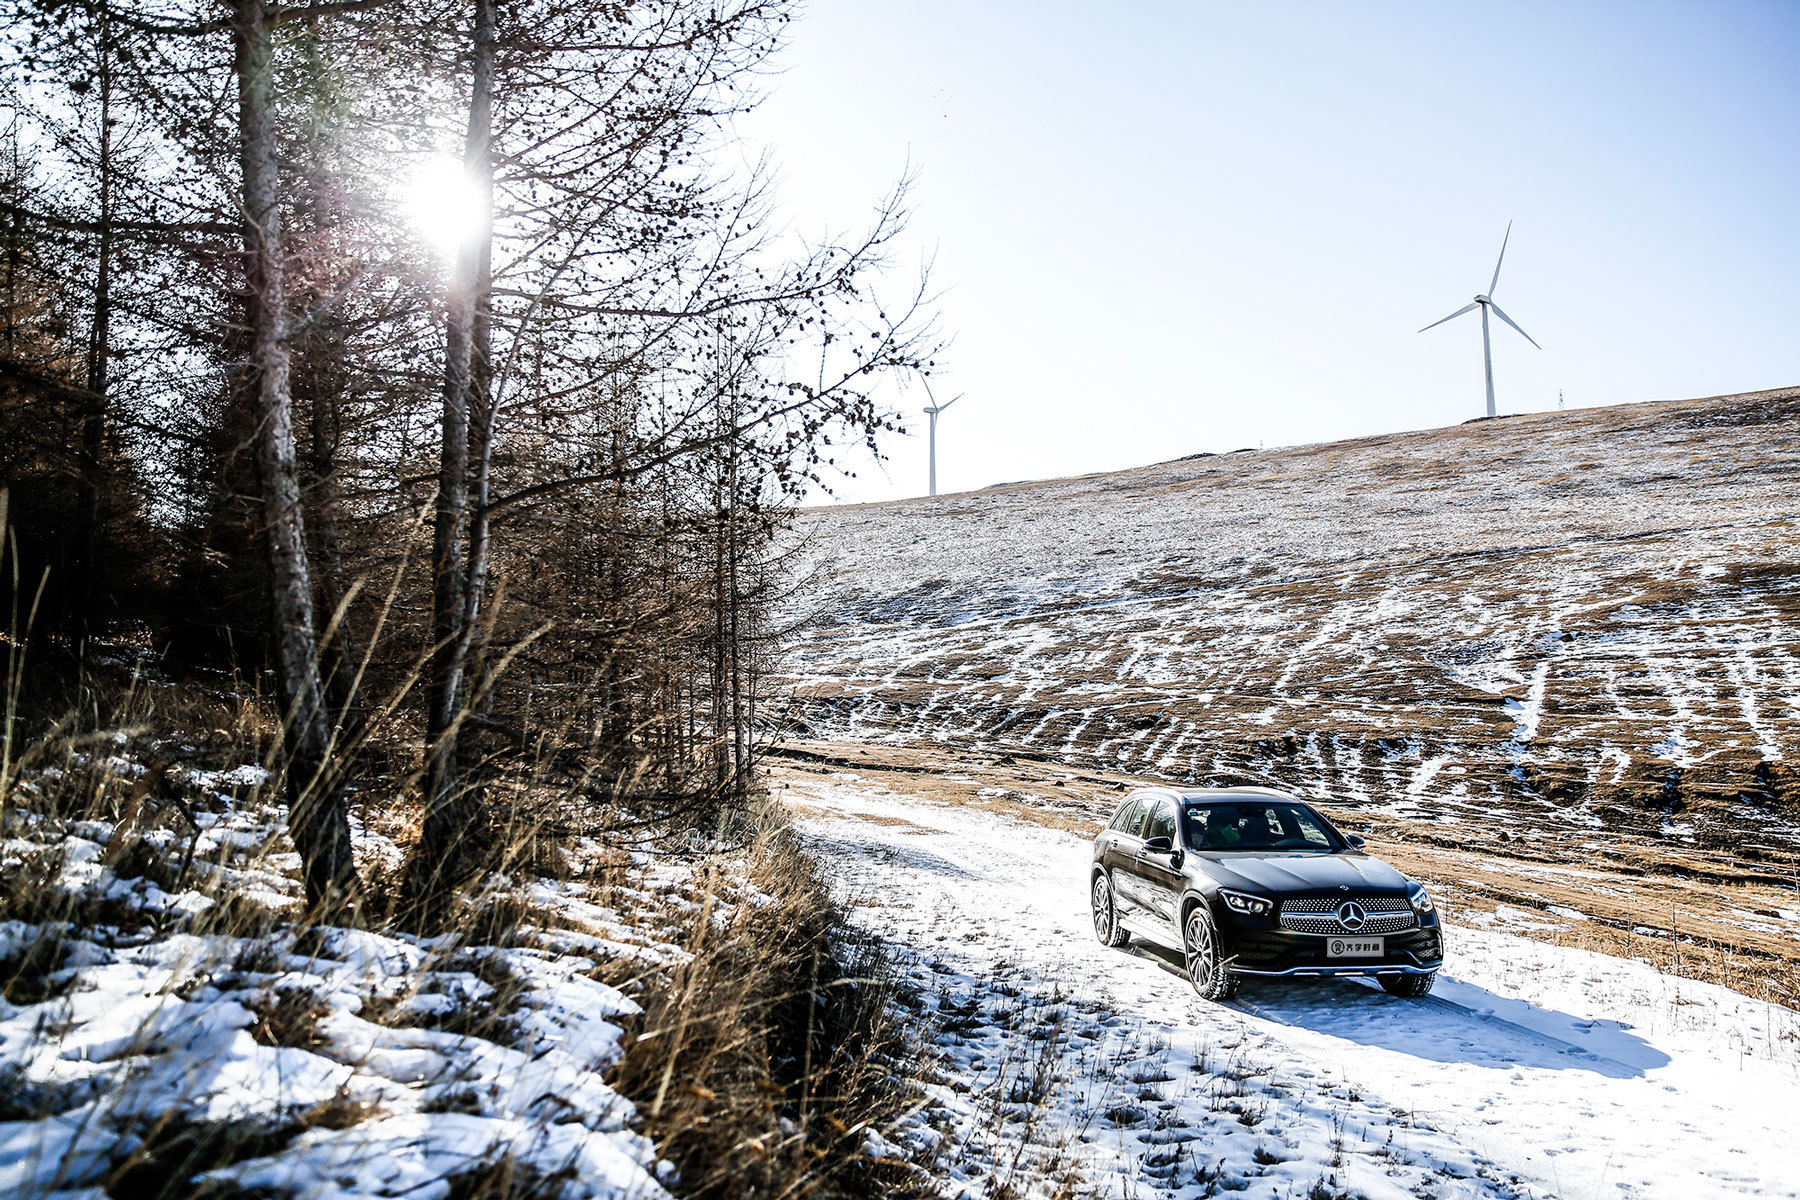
point(1421, 901)
point(1243, 902)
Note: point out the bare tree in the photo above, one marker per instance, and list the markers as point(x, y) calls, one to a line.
point(451, 814)
point(317, 815)
point(638, 378)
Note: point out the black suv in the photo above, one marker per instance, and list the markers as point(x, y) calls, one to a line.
point(1250, 881)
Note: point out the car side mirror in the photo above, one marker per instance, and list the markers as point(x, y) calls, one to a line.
point(1160, 845)
point(1356, 840)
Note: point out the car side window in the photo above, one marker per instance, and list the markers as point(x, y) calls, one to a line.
point(1127, 816)
point(1162, 821)
point(1140, 816)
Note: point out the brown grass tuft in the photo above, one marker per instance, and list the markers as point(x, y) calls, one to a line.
point(759, 1068)
point(288, 1016)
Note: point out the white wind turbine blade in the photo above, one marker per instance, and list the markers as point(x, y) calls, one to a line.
point(934, 406)
point(1459, 312)
point(950, 401)
point(1497, 262)
point(1513, 323)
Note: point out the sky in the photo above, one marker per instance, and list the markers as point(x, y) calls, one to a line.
point(1156, 229)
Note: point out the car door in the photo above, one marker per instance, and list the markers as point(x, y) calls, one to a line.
point(1158, 873)
point(1123, 841)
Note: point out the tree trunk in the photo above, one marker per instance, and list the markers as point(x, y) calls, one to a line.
point(481, 456)
point(317, 817)
point(740, 750)
point(720, 707)
point(452, 811)
point(321, 382)
point(93, 419)
point(13, 303)
point(324, 392)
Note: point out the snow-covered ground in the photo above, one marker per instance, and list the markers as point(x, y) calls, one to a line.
point(1532, 1070)
point(146, 1044)
point(162, 1036)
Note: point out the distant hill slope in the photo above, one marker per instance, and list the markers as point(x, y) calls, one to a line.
point(1589, 616)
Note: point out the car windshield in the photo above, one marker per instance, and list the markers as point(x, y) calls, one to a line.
point(1256, 825)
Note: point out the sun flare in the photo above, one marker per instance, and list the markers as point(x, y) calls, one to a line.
point(443, 205)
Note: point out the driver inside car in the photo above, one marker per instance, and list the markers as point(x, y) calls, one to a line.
point(1221, 828)
point(1253, 829)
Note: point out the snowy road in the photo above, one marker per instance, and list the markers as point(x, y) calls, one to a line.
point(1533, 1070)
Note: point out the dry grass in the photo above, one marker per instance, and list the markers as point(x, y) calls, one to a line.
point(763, 1060)
point(507, 1179)
point(288, 1016)
point(1021, 1144)
point(174, 1149)
point(757, 1067)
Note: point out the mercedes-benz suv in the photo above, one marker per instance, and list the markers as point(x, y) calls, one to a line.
point(1251, 881)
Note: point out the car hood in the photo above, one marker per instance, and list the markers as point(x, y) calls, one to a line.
point(1291, 874)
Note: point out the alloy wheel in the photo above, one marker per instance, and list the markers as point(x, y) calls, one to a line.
point(1106, 914)
point(1202, 960)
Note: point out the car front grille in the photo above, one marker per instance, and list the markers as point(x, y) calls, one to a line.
point(1275, 950)
point(1382, 914)
point(1327, 904)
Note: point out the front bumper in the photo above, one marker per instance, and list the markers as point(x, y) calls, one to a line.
point(1265, 949)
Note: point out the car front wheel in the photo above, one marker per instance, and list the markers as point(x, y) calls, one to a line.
point(1106, 914)
point(1206, 968)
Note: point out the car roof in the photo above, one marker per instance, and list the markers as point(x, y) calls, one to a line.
point(1204, 795)
point(1235, 793)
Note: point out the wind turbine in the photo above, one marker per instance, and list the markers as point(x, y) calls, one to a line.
point(1485, 302)
point(932, 412)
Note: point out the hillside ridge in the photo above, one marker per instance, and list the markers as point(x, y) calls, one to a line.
point(1636, 406)
point(1574, 622)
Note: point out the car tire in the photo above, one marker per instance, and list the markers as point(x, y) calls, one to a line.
point(1106, 913)
point(1410, 987)
point(1206, 968)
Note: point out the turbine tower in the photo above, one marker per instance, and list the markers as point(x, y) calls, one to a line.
point(1485, 302)
point(932, 411)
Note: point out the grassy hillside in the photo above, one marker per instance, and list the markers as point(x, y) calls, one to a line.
point(1562, 622)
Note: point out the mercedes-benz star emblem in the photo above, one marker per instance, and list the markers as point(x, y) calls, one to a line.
point(1351, 916)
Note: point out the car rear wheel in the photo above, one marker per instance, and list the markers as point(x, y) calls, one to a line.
point(1206, 968)
point(1106, 914)
point(1409, 986)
